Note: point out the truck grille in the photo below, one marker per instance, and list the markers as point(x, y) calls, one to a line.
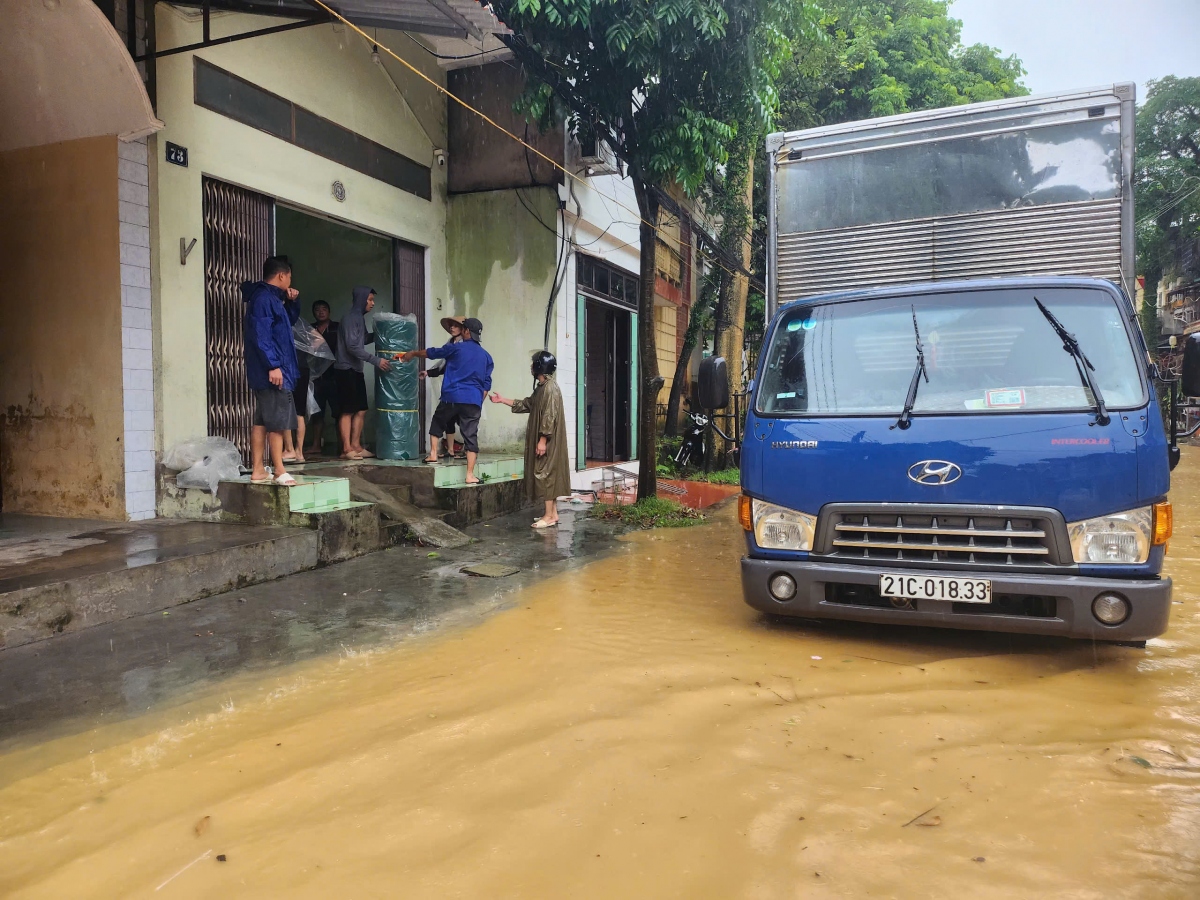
point(1006, 540)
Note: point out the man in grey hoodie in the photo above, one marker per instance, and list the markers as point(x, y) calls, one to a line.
point(349, 380)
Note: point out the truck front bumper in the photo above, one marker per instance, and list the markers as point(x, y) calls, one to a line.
point(1064, 602)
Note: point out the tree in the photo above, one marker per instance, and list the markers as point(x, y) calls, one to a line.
point(1167, 175)
point(664, 83)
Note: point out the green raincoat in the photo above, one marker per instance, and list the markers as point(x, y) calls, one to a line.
point(549, 476)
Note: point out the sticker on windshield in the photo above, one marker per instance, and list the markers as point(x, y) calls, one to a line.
point(1009, 398)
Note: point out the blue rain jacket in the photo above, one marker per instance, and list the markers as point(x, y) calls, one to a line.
point(468, 372)
point(267, 335)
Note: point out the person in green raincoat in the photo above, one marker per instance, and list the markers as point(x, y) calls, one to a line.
point(547, 465)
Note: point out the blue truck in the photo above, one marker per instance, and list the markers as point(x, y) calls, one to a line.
point(954, 420)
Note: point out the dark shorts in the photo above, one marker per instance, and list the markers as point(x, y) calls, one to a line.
point(274, 410)
point(465, 415)
point(300, 393)
point(351, 393)
point(325, 393)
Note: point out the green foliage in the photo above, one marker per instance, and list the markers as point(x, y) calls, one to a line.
point(882, 57)
point(650, 512)
point(725, 476)
point(666, 82)
point(1167, 176)
point(877, 58)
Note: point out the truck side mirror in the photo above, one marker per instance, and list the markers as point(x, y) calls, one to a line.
point(1189, 377)
point(713, 388)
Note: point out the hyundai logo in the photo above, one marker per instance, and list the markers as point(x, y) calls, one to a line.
point(934, 471)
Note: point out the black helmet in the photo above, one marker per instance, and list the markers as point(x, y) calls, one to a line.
point(544, 363)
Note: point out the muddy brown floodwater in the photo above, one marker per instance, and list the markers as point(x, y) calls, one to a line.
point(631, 729)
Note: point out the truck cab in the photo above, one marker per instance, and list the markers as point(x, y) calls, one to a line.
point(978, 454)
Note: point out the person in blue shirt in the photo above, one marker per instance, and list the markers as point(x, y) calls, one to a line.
point(467, 379)
point(271, 366)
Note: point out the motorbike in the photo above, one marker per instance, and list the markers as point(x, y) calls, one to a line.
point(691, 451)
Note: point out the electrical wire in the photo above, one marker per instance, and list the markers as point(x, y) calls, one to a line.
point(554, 163)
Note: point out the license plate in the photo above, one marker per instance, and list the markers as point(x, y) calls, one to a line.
point(934, 587)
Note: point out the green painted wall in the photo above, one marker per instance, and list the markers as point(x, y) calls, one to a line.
point(501, 257)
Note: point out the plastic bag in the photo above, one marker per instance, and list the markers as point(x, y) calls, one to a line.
point(204, 463)
point(398, 423)
point(312, 349)
point(313, 407)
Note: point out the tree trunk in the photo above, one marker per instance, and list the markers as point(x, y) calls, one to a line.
point(651, 381)
point(735, 288)
point(690, 338)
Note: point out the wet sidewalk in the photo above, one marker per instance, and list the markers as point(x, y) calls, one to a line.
point(64, 575)
point(126, 667)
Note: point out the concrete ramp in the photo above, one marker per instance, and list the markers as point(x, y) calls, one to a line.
point(428, 528)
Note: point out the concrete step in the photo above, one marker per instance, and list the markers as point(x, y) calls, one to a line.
point(83, 574)
point(346, 528)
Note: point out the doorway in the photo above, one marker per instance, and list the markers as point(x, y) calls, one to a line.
point(329, 257)
point(607, 374)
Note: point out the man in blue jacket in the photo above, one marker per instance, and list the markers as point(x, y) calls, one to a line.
point(468, 377)
point(271, 366)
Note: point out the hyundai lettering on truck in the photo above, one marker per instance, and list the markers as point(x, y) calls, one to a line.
point(954, 420)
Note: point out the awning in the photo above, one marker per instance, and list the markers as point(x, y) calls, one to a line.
point(446, 18)
point(67, 75)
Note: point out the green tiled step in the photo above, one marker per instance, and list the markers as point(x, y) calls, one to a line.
point(314, 493)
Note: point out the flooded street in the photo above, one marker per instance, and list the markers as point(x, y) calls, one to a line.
point(631, 728)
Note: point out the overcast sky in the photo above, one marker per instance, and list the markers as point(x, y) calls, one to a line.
point(1068, 44)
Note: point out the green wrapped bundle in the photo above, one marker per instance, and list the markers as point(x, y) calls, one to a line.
point(398, 422)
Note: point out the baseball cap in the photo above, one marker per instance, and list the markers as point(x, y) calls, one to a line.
point(474, 326)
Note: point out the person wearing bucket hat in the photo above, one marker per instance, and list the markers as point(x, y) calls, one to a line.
point(443, 422)
point(468, 378)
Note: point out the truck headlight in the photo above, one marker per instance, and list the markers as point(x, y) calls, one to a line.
point(1121, 538)
point(780, 528)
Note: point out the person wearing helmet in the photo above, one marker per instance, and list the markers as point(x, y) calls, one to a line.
point(547, 466)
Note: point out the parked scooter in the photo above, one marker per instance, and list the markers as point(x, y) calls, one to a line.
point(691, 451)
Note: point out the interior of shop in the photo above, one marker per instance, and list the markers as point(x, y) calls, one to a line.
point(328, 259)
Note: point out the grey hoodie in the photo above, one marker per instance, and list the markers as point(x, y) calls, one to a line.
point(353, 335)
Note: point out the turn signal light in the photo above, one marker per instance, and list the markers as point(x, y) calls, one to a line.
point(744, 514)
point(1164, 523)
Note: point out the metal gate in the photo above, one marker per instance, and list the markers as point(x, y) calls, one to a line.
point(238, 236)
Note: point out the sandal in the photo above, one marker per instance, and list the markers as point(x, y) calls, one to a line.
point(285, 480)
point(540, 524)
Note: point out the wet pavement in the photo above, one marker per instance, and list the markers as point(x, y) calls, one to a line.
point(626, 727)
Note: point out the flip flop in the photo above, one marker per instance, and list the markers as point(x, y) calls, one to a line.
point(539, 524)
point(286, 480)
point(367, 454)
point(353, 456)
point(266, 480)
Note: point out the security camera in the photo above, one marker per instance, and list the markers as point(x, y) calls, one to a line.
point(440, 156)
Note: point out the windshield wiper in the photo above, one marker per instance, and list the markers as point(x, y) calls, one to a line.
point(910, 401)
point(1082, 363)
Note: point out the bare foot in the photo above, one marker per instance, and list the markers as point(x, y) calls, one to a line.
point(351, 455)
point(260, 476)
point(431, 459)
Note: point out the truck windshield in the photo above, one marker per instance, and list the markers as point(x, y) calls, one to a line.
point(985, 351)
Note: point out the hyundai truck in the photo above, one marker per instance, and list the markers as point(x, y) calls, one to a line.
point(954, 420)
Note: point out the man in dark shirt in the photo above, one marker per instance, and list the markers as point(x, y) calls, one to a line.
point(467, 380)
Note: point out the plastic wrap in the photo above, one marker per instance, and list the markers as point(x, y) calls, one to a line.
point(398, 422)
point(204, 463)
point(312, 349)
